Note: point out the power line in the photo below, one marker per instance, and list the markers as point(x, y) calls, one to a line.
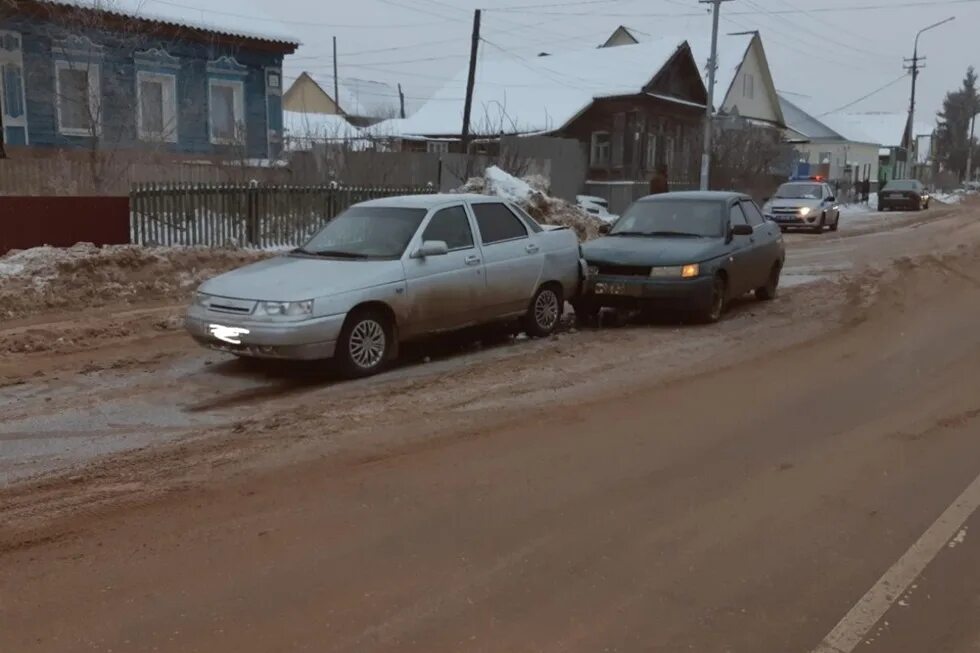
point(864, 97)
point(815, 10)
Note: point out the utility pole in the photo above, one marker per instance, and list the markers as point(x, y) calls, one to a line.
point(336, 81)
point(470, 81)
point(914, 66)
point(709, 114)
point(970, 145)
point(401, 101)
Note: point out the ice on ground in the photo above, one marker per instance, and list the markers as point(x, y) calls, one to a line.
point(949, 198)
point(852, 209)
point(531, 194)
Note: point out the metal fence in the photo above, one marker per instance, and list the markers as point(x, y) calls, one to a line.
point(242, 215)
point(62, 221)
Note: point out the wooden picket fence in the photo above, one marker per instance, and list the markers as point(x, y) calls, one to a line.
point(264, 216)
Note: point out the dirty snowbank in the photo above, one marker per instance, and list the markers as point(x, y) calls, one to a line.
point(531, 194)
point(41, 279)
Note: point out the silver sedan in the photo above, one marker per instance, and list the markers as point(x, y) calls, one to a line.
point(387, 271)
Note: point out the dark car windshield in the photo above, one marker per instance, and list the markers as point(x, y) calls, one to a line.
point(671, 218)
point(902, 184)
point(366, 232)
point(799, 192)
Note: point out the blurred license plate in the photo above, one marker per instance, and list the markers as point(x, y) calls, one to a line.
point(611, 289)
point(895, 196)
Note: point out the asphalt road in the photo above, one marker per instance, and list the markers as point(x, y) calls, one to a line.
point(803, 477)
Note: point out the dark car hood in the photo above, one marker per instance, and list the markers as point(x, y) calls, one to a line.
point(653, 251)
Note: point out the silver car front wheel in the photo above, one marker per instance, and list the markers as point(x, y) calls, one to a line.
point(365, 343)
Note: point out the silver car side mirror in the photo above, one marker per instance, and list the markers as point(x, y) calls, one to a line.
point(431, 248)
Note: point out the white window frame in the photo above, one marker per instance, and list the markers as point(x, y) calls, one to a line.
point(748, 86)
point(168, 96)
point(651, 153)
point(437, 147)
point(595, 161)
point(94, 71)
point(238, 108)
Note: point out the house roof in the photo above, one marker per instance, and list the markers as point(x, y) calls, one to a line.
point(362, 98)
point(516, 95)
point(238, 18)
point(884, 129)
point(318, 126)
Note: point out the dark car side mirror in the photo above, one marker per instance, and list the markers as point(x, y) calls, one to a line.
point(831, 199)
point(742, 230)
point(604, 229)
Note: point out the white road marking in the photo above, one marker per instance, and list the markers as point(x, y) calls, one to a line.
point(851, 630)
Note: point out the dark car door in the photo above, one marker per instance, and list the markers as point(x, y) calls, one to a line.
point(767, 248)
point(743, 262)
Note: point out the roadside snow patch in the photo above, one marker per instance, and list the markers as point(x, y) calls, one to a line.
point(85, 276)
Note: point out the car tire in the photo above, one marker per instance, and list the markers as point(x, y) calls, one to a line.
point(366, 343)
point(768, 292)
point(544, 314)
point(719, 294)
point(836, 225)
point(818, 229)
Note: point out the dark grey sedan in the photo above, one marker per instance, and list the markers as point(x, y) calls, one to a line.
point(691, 251)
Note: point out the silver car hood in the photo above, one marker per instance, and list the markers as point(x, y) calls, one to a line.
point(296, 278)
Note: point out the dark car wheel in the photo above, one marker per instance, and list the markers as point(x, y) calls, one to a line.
point(716, 308)
point(836, 225)
point(544, 313)
point(768, 292)
point(365, 343)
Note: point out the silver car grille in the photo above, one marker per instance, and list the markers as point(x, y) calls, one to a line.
point(231, 306)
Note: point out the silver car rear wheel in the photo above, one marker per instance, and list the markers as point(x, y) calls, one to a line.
point(545, 312)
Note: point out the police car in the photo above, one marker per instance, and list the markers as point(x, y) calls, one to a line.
point(804, 204)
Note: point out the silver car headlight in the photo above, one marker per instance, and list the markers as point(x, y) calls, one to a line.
point(201, 299)
point(805, 211)
point(286, 309)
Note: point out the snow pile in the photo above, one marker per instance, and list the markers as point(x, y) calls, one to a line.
point(531, 195)
point(949, 198)
point(852, 209)
point(50, 278)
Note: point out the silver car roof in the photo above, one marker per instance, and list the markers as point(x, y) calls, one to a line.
point(429, 201)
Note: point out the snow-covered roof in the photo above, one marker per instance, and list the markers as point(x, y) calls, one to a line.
point(517, 95)
point(362, 98)
point(886, 129)
point(318, 126)
point(241, 18)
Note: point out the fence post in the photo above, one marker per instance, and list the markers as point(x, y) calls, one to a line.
point(252, 215)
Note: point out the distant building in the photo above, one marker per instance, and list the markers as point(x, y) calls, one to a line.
point(362, 102)
point(77, 75)
point(632, 108)
point(743, 81)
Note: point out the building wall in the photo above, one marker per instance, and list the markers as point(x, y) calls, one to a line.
point(755, 101)
point(118, 90)
point(863, 158)
point(632, 124)
point(306, 96)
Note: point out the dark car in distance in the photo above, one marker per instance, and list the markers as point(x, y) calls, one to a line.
point(903, 194)
point(690, 251)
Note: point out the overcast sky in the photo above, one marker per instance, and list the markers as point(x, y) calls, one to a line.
point(826, 52)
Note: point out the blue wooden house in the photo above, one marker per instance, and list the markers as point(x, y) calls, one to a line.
point(76, 75)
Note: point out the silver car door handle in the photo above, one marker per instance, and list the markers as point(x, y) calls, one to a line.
point(472, 260)
point(532, 249)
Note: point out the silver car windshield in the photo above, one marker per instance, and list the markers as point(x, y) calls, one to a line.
point(799, 192)
point(671, 218)
point(366, 232)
